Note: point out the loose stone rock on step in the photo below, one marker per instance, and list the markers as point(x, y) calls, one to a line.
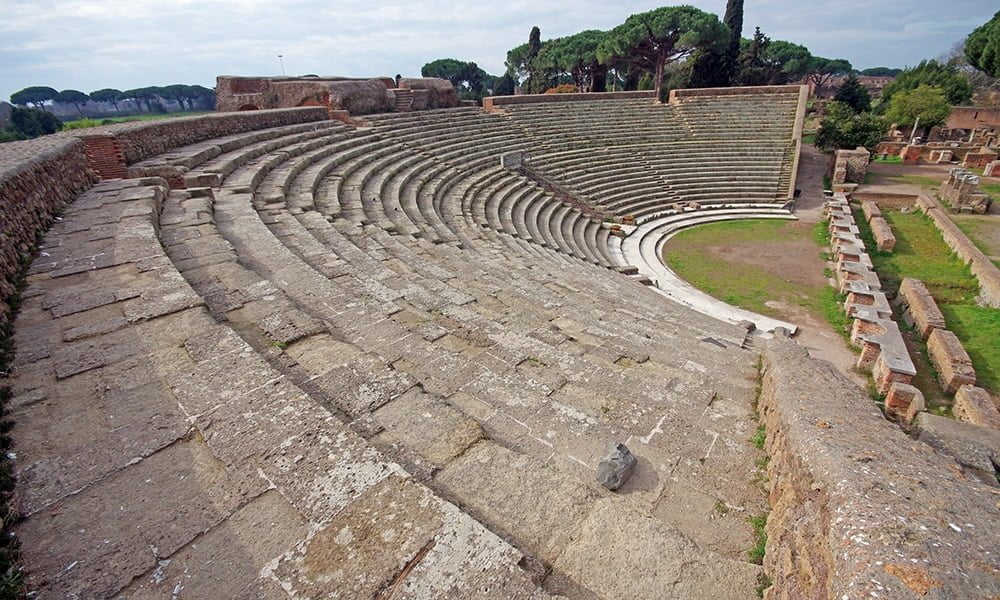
point(616, 466)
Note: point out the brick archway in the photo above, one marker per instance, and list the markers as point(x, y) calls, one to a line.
point(249, 107)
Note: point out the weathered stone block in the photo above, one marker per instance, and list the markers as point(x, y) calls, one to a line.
point(953, 365)
point(904, 401)
point(975, 448)
point(974, 405)
point(919, 307)
point(870, 209)
point(885, 241)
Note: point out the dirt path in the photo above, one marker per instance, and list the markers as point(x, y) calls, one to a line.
point(815, 333)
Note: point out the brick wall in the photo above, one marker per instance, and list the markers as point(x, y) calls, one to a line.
point(37, 178)
point(972, 117)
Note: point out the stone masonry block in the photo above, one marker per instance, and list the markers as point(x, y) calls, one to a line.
point(974, 405)
point(953, 365)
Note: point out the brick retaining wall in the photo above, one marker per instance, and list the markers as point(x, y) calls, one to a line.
point(37, 178)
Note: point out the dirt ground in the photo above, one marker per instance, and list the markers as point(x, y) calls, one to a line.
point(781, 258)
point(815, 333)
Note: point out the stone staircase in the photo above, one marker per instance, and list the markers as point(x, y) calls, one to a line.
point(404, 99)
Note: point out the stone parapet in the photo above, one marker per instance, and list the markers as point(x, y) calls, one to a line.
point(952, 362)
point(858, 509)
point(37, 179)
point(870, 209)
point(123, 144)
point(974, 405)
point(919, 307)
point(490, 103)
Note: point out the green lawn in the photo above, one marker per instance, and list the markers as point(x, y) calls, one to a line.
point(87, 122)
point(922, 253)
point(920, 180)
point(892, 159)
point(751, 286)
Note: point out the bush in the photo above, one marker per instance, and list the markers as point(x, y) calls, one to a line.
point(842, 128)
point(82, 123)
point(33, 122)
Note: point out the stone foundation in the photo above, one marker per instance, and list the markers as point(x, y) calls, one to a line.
point(904, 402)
point(953, 365)
point(981, 266)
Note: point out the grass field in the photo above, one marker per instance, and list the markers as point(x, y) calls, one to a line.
point(921, 253)
point(751, 286)
point(87, 122)
point(920, 180)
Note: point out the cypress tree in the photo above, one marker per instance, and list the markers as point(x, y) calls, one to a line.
point(713, 69)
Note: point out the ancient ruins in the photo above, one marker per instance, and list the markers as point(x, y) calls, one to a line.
point(337, 351)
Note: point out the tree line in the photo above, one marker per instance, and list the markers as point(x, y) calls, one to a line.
point(187, 96)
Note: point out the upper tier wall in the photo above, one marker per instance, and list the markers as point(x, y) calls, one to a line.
point(37, 178)
point(141, 139)
point(491, 102)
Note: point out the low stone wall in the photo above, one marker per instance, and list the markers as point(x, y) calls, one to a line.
point(490, 103)
point(982, 267)
point(750, 90)
point(870, 209)
point(950, 360)
point(850, 166)
point(430, 93)
point(858, 509)
point(37, 178)
point(116, 146)
point(919, 307)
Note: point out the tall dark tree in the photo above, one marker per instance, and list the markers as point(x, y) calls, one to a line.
point(537, 79)
point(718, 69)
point(35, 96)
point(504, 86)
point(74, 97)
point(881, 72)
point(853, 94)
point(822, 70)
point(33, 122)
point(982, 47)
point(107, 95)
point(576, 56)
point(655, 38)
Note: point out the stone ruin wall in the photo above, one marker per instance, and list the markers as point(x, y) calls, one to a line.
point(492, 103)
point(849, 166)
point(357, 96)
point(961, 192)
point(919, 307)
point(982, 267)
point(950, 360)
point(37, 179)
point(836, 530)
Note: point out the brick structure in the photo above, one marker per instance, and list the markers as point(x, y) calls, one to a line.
point(919, 307)
point(911, 154)
point(357, 96)
point(974, 405)
point(903, 402)
point(885, 241)
point(952, 362)
point(973, 117)
point(979, 159)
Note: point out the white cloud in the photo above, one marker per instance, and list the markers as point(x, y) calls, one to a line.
point(130, 43)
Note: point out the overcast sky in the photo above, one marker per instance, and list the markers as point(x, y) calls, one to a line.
point(87, 45)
